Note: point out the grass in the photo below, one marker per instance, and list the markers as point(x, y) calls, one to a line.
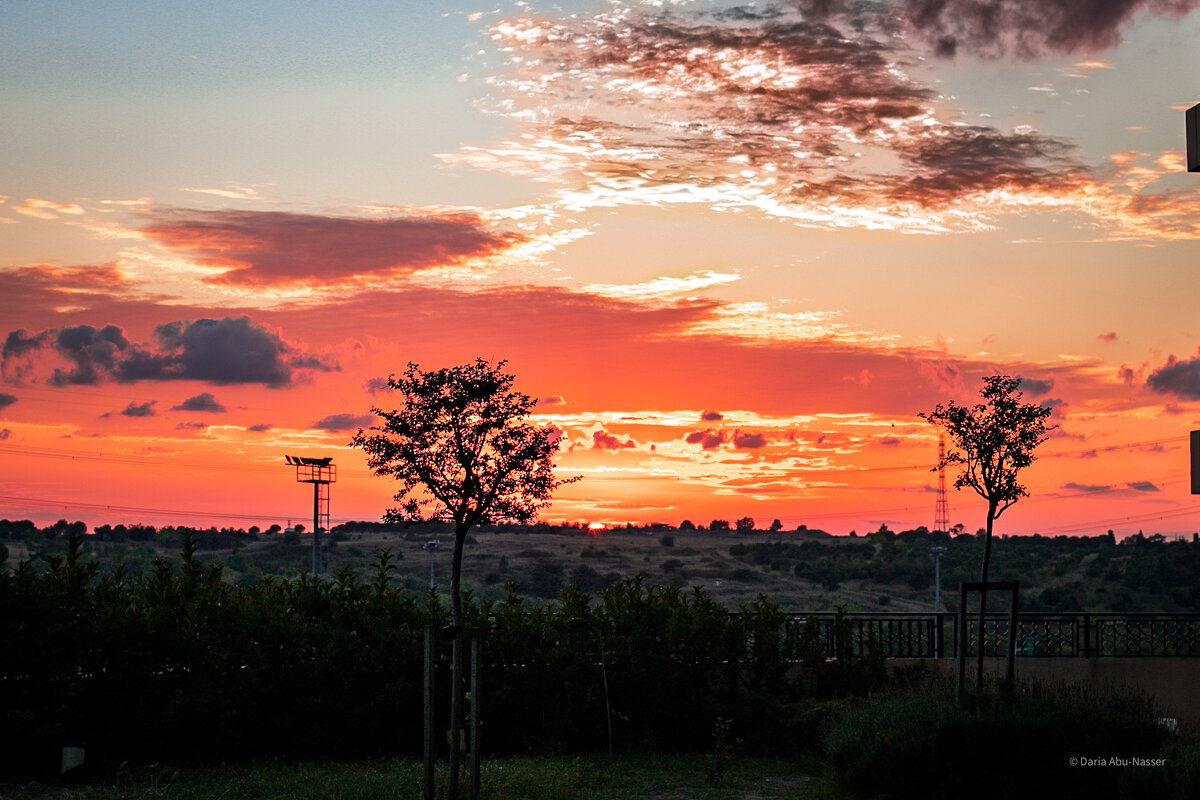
point(646, 777)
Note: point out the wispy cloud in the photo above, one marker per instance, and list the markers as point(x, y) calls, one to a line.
point(812, 115)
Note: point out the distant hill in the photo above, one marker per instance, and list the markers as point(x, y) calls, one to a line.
point(804, 569)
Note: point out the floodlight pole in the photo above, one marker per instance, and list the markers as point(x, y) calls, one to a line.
point(316, 547)
point(320, 472)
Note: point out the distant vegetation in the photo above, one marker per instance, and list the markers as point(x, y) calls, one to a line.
point(803, 569)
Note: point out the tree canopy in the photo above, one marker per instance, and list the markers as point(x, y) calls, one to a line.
point(460, 448)
point(993, 440)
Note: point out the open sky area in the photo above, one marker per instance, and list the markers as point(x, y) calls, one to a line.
point(733, 250)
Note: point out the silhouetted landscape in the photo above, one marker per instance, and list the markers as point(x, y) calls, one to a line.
point(801, 570)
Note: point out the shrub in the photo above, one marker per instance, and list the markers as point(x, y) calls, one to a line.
point(922, 744)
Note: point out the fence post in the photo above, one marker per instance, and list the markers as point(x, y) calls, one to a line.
point(1012, 637)
point(476, 706)
point(428, 781)
point(963, 639)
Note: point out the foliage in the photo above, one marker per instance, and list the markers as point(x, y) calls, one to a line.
point(459, 440)
point(995, 440)
point(177, 664)
point(991, 746)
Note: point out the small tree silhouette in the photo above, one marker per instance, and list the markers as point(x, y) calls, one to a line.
point(462, 452)
point(995, 440)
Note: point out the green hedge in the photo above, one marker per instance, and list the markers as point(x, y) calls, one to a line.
point(176, 664)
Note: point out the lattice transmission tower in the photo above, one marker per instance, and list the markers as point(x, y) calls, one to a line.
point(941, 510)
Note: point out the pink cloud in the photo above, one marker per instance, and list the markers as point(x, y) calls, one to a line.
point(264, 248)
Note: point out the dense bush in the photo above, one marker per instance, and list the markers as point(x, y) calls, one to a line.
point(174, 663)
point(922, 744)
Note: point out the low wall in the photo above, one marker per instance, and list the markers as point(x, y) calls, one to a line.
point(1174, 683)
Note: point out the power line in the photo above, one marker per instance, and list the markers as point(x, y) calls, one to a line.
point(171, 512)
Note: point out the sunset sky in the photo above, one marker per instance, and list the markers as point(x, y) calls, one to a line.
point(733, 250)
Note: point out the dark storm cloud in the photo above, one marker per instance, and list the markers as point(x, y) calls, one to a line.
point(710, 415)
point(221, 351)
point(139, 409)
point(264, 248)
point(201, 402)
point(1180, 378)
point(335, 423)
point(7, 400)
point(260, 428)
point(191, 426)
point(5, 433)
point(1143, 486)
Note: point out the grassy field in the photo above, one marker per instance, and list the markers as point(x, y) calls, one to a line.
point(550, 778)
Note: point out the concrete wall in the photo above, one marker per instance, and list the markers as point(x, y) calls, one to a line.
point(1174, 683)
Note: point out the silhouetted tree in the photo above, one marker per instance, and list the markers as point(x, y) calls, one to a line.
point(776, 525)
point(745, 524)
point(719, 525)
point(992, 441)
point(462, 453)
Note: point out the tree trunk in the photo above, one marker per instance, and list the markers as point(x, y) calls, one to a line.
point(983, 578)
point(456, 661)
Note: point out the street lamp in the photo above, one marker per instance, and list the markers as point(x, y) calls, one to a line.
point(937, 551)
point(429, 547)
